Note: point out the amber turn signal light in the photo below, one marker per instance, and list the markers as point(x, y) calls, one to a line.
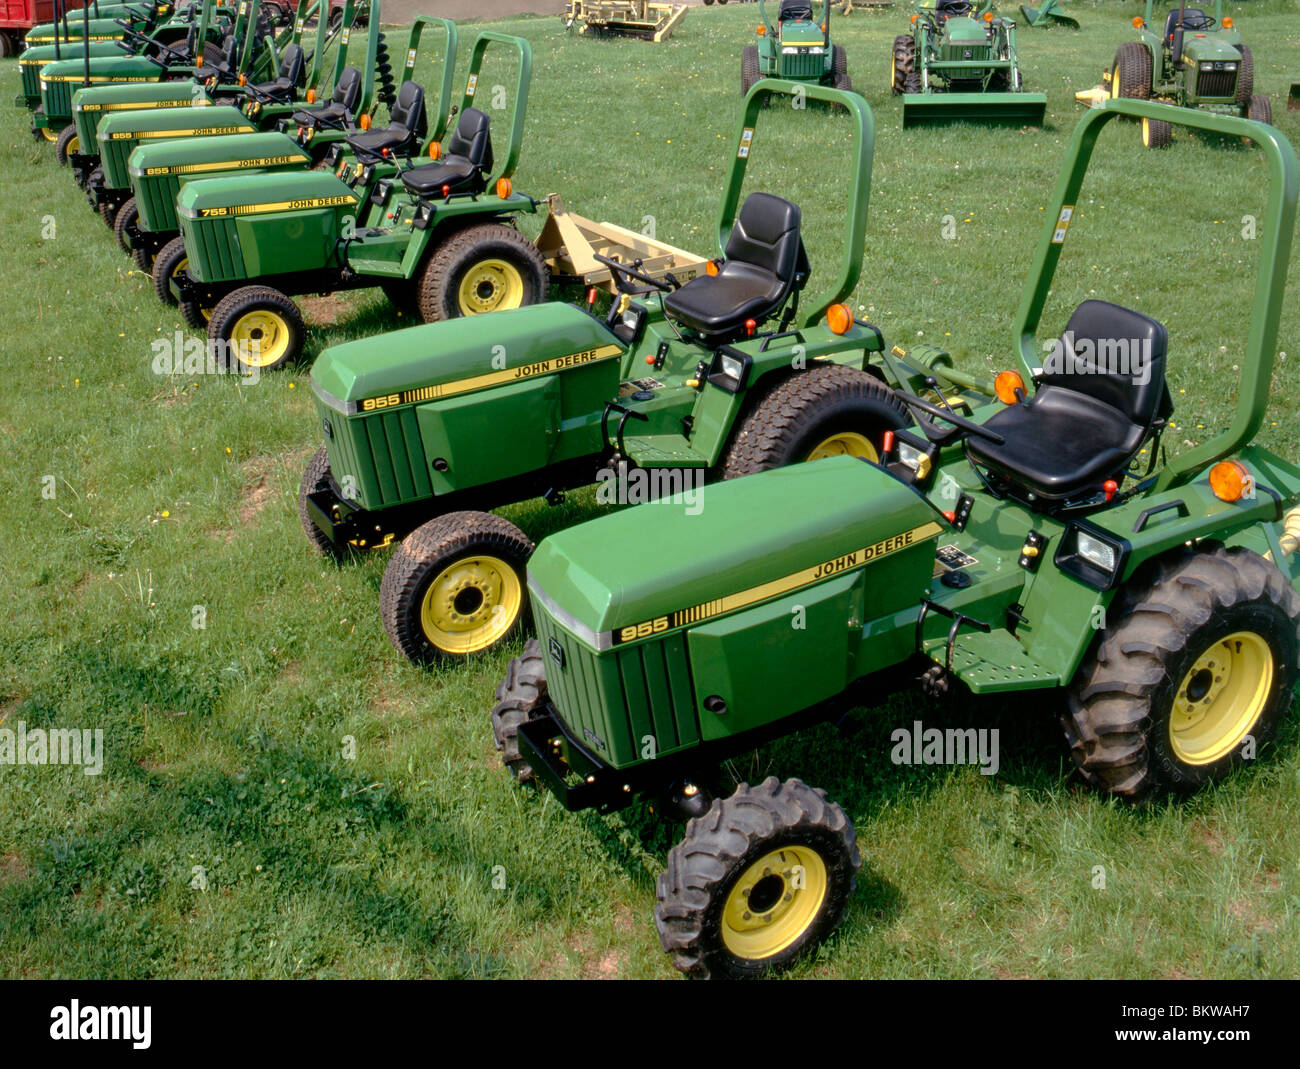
point(1005, 386)
point(839, 318)
point(435, 150)
point(504, 188)
point(1230, 480)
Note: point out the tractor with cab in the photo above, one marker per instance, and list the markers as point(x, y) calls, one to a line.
point(1012, 537)
point(734, 370)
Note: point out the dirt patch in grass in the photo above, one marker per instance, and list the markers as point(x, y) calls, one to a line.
point(13, 869)
point(257, 489)
point(322, 311)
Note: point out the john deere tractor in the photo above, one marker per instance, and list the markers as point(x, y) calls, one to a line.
point(1011, 538)
point(435, 237)
point(960, 63)
point(733, 371)
point(156, 171)
point(103, 22)
point(1193, 60)
point(796, 48)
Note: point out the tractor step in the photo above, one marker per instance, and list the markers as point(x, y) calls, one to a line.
point(993, 661)
point(1026, 109)
point(664, 451)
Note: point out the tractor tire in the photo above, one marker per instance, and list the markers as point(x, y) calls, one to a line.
point(840, 69)
point(483, 268)
point(825, 411)
point(1156, 133)
point(455, 587)
point(749, 69)
point(708, 3)
point(171, 258)
point(126, 215)
point(722, 913)
point(108, 212)
point(1245, 77)
point(259, 327)
point(67, 144)
point(1203, 617)
point(520, 696)
point(902, 64)
point(143, 260)
point(1130, 76)
point(1260, 109)
point(315, 479)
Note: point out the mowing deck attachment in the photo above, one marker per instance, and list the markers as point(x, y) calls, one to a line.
point(1047, 16)
point(626, 18)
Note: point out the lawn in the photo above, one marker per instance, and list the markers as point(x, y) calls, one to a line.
point(283, 796)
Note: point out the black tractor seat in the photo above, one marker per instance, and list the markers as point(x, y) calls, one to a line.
point(794, 11)
point(407, 126)
point(465, 167)
point(1193, 19)
point(1101, 396)
point(338, 113)
point(281, 89)
point(765, 263)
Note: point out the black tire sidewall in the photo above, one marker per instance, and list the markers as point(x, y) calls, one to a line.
point(492, 247)
point(1271, 624)
point(846, 414)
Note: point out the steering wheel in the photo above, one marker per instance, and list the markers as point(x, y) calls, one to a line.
point(632, 272)
point(948, 416)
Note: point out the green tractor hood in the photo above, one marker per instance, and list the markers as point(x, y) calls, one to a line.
point(715, 550)
point(89, 106)
point(119, 68)
point(459, 355)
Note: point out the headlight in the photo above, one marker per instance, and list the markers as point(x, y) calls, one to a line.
point(1229, 66)
point(730, 366)
point(913, 458)
point(817, 50)
point(789, 50)
point(1092, 555)
point(730, 369)
point(1207, 66)
point(1096, 552)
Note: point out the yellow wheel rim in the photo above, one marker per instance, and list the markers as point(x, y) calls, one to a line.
point(775, 900)
point(74, 145)
point(893, 72)
point(471, 604)
point(1146, 132)
point(260, 338)
point(1221, 698)
point(846, 444)
point(489, 286)
point(49, 134)
point(1114, 83)
point(183, 263)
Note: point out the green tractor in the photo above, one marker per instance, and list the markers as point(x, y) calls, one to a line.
point(435, 237)
point(101, 22)
point(1025, 545)
point(223, 83)
point(732, 371)
point(146, 222)
point(109, 186)
point(1195, 61)
point(795, 48)
point(175, 32)
point(960, 63)
point(209, 35)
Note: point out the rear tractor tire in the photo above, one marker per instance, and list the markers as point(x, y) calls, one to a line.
point(749, 68)
point(483, 268)
point(1199, 668)
point(258, 327)
point(455, 587)
point(520, 697)
point(826, 411)
point(1130, 76)
point(757, 882)
point(1260, 109)
point(67, 144)
point(902, 63)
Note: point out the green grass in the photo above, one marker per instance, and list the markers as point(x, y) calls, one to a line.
point(224, 745)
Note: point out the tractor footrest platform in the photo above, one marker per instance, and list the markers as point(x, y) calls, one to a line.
point(993, 661)
point(664, 451)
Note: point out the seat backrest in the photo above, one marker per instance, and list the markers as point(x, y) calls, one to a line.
point(472, 139)
point(291, 64)
point(1114, 354)
point(792, 10)
point(408, 110)
point(1193, 19)
point(766, 235)
point(348, 90)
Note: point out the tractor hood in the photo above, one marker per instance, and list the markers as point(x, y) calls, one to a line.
point(802, 33)
point(459, 355)
point(725, 546)
point(963, 31)
point(1209, 47)
point(44, 55)
point(174, 122)
point(198, 156)
point(103, 69)
point(109, 98)
point(245, 195)
point(98, 30)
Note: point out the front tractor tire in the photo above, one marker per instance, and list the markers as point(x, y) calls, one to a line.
point(749, 69)
point(1204, 657)
point(757, 882)
point(520, 697)
point(1156, 133)
point(171, 260)
point(484, 268)
point(67, 145)
point(840, 69)
point(455, 587)
point(257, 327)
point(316, 479)
point(827, 411)
point(127, 216)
